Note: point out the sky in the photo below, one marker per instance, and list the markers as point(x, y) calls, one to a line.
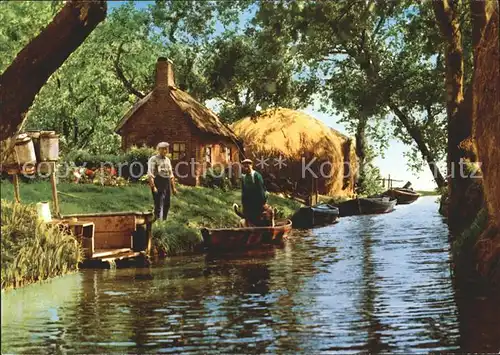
point(393, 164)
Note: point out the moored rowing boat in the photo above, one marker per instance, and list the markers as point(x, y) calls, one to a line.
point(319, 215)
point(245, 238)
point(369, 205)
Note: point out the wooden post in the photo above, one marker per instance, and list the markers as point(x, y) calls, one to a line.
point(316, 190)
point(53, 182)
point(149, 232)
point(16, 188)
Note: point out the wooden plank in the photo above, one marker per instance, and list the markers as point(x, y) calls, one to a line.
point(102, 253)
point(124, 224)
point(106, 240)
point(109, 214)
point(130, 255)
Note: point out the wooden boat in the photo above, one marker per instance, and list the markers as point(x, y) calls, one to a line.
point(368, 205)
point(319, 215)
point(245, 238)
point(402, 195)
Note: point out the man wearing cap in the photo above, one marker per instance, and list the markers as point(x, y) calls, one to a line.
point(253, 193)
point(161, 180)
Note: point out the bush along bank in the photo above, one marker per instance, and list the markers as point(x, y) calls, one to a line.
point(192, 208)
point(33, 251)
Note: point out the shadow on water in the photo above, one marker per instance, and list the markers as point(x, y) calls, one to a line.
point(377, 284)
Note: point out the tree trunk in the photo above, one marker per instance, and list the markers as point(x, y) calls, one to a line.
point(459, 112)
point(367, 64)
point(416, 135)
point(486, 113)
point(361, 141)
point(36, 62)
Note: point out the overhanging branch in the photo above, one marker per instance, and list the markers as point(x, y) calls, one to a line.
point(121, 75)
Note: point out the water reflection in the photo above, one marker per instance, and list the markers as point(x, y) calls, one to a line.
point(373, 284)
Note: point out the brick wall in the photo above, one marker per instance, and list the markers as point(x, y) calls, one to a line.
point(160, 119)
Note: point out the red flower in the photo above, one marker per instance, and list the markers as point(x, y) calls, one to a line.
point(89, 172)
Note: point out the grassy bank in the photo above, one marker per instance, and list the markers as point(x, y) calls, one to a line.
point(429, 192)
point(192, 208)
point(33, 251)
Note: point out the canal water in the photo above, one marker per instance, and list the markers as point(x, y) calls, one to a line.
point(378, 284)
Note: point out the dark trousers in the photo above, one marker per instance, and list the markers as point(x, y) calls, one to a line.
point(162, 197)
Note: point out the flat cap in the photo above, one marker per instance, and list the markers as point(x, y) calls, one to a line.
point(162, 145)
point(247, 161)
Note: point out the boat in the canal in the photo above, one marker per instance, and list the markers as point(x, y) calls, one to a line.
point(246, 237)
point(367, 205)
point(312, 216)
point(402, 195)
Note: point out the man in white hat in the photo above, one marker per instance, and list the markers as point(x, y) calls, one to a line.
point(161, 180)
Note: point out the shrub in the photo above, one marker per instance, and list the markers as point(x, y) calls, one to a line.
point(32, 250)
point(92, 161)
point(135, 162)
point(369, 181)
point(214, 177)
point(173, 237)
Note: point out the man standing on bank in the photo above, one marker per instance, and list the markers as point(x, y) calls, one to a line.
point(253, 193)
point(161, 180)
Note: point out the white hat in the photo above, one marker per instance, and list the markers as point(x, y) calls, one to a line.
point(162, 145)
point(247, 161)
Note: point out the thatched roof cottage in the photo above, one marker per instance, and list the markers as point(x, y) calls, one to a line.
point(306, 144)
point(193, 131)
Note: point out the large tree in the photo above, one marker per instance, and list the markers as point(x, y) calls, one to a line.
point(369, 40)
point(32, 67)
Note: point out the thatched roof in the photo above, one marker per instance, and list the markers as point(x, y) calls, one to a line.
point(290, 132)
point(202, 117)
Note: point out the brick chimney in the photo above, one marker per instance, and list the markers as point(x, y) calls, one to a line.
point(164, 74)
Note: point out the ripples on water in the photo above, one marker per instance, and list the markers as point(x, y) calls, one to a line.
point(370, 284)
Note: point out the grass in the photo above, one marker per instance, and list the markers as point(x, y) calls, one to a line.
point(192, 208)
point(428, 192)
point(33, 251)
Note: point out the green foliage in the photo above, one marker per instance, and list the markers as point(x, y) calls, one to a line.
point(92, 90)
point(216, 178)
point(373, 59)
point(91, 161)
point(21, 21)
point(369, 181)
point(31, 250)
point(464, 243)
point(136, 159)
point(174, 237)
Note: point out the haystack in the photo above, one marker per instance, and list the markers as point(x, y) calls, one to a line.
point(299, 139)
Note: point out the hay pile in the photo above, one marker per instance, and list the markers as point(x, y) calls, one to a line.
point(296, 136)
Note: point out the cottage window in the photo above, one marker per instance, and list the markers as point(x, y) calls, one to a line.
point(208, 154)
point(178, 151)
point(228, 154)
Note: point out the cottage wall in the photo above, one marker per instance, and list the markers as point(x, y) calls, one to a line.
point(219, 156)
point(160, 119)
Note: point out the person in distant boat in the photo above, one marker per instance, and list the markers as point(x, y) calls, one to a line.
point(161, 180)
point(253, 196)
